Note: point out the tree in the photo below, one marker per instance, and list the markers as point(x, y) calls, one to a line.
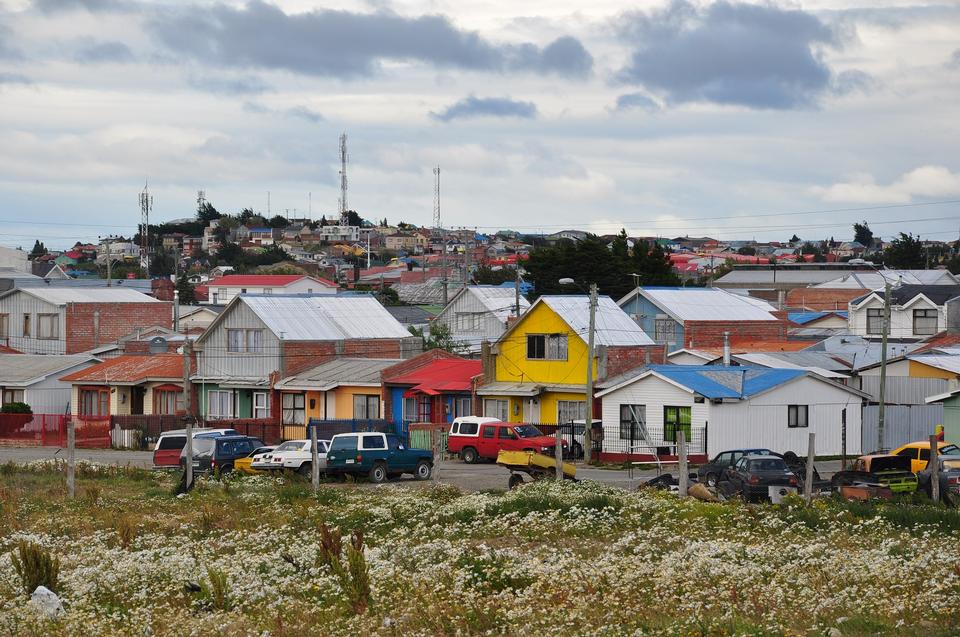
point(794, 238)
point(38, 250)
point(905, 252)
point(162, 263)
point(485, 275)
point(207, 213)
point(185, 290)
point(748, 251)
point(278, 221)
point(863, 235)
point(440, 338)
point(353, 219)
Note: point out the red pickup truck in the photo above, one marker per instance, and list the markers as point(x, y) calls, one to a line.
point(473, 437)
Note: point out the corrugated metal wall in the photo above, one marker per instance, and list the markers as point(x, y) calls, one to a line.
point(902, 390)
point(902, 424)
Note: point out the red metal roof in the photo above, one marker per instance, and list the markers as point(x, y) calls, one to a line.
point(943, 339)
point(445, 375)
point(280, 280)
point(130, 368)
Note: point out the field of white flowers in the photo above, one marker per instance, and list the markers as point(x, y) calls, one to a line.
point(249, 557)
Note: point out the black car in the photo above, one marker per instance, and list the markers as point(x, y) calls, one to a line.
point(212, 454)
point(753, 475)
point(949, 479)
point(711, 472)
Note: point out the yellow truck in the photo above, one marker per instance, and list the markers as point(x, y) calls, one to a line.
point(536, 465)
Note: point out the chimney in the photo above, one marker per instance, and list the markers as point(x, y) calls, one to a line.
point(726, 349)
point(487, 362)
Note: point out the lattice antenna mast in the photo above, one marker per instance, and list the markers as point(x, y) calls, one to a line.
point(443, 236)
point(436, 198)
point(343, 180)
point(146, 205)
point(201, 199)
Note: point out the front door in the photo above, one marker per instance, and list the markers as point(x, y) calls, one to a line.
point(531, 411)
point(136, 400)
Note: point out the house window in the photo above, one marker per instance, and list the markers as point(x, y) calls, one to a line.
point(268, 290)
point(244, 340)
point(874, 321)
point(12, 396)
point(168, 401)
point(26, 325)
point(424, 409)
point(462, 406)
point(409, 409)
point(633, 422)
point(496, 408)
point(547, 347)
point(220, 404)
point(4, 325)
point(94, 403)
point(366, 406)
point(469, 321)
point(294, 412)
point(675, 419)
point(48, 326)
point(797, 416)
point(925, 322)
point(261, 404)
point(664, 330)
point(570, 410)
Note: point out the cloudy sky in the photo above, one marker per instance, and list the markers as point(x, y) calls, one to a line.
point(734, 119)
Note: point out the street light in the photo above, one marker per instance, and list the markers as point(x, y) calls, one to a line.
point(588, 412)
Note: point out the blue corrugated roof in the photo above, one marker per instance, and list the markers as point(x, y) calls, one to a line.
point(716, 381)
point(802, 318)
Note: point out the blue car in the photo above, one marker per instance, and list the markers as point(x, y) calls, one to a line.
point(711, 472)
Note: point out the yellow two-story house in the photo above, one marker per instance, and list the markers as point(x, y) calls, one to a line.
point(537, 371)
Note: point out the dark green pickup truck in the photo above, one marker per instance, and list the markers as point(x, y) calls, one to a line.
point(377, 456)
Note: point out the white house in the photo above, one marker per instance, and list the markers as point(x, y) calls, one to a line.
point(16, 259)
point(722, 408)
point(35, 379)
point(479, 313)
point(350, 234)
point(916, 311)
point(222, 290)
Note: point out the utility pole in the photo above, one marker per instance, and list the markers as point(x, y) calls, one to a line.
point(109, 266)
point(516, 290)
point(466, 263)
point(188, 406)
point(934, 468)
point(808, 478)
point(71, 458)
point(314, 457)
point(588, 412)
point(683, 468)
point(883, 363)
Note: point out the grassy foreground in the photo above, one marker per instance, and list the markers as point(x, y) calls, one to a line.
point(252, 556)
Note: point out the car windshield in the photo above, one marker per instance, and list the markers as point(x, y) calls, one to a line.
point(202, 447)
point(949, 450)
point(344, 443)
point(527, 431)
point(768, 464)
point(292, 445)
point(950, 465)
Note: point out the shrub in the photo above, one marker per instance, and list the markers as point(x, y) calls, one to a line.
point(217, 591)
point(126, 531)
point(354, 576)
point(35, 566)
point(16, 408)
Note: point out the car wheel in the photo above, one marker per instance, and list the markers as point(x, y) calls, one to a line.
point(305, 470)
point(515, 480)
point(577, 450)
point(378, 473)
point(469, 455)
point(710, 479)
point(423, 470)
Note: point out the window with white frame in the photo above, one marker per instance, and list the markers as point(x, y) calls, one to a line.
point(261, 404)
point(220, 404)
point(462, 406)
point(496, 408)
point(665, 330)
point(797, 416)
point(294, 409)
point(12, 396)
point(409, 409)
point(366, 406)
point(925, 322)
point(570, 410)
point(874, 321)
point(547, 347)
point(469, 321)
point(244, 340)
point(167, 401)
point(633, 422)
point(48, 326)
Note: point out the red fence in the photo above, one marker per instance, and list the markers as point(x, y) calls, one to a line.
point(50, 430)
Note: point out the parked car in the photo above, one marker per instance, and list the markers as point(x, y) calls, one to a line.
point(377, 456)
point(919, 452)
point(949, 479)
point(892, 471)
point(166, 453)
point(219, 453)
point(752, 476)
point(295, 455)
point(711, 472)
point(473, 438)
point(244, 465)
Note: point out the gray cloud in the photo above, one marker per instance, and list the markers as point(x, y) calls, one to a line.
point(473, 106)
point(230, 85)
point(7, 50)
point(954, 62)
point(14, 78)
point(54, 6)
point(760, 56)
point(344, 44)
point(637, 100)
point(97, 52)
point(302, 112)
point(853, 81)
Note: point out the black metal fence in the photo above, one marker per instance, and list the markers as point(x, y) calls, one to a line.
point(626, 443)
point(326, 429)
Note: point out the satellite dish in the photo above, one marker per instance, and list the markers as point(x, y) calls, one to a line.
point(158, 345)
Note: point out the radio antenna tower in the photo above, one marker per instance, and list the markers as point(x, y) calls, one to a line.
point(201, 199)
point(344, 218)
point(436, 198)
point(443, 235)
point(146, 205)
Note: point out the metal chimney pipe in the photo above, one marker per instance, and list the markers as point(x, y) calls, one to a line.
point(726, 349)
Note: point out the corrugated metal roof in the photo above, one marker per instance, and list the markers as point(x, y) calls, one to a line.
point(324, 317)
point(18, 369)
point(727, 382)
point(750, 277)
point(500, 301)
point(342, 371)
point(62, 296)
point(940, 361)
point(708, 304)
point(772, 360)
point(802, 318)
point(131, 368)
point(264, 280)
point(442, 375)
point(872, 280)
point(613, 326)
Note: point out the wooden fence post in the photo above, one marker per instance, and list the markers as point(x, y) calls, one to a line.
point(314, 458)
point(934, 469)
point(71, 458)
point(808, 480)
point(682, 460)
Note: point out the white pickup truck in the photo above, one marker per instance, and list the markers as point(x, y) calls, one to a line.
point(294, 455)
